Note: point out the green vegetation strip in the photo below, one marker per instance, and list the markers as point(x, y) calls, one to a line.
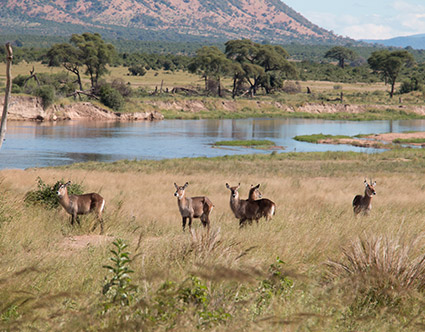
point(255, 143)
point(315, 138)
point(409, 141)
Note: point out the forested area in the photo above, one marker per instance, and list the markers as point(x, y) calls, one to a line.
point(252, 67)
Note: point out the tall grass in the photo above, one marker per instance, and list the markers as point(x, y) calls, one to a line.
point(228, 278)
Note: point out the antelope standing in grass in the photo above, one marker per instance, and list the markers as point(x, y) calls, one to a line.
point(363, 204)
point(77, 205)
point(266, 207)
point(193, 207)
point(242, 208)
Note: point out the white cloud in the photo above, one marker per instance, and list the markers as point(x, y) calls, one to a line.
point(410, 16)
point(368, 31)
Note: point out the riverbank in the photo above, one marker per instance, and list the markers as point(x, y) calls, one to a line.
point(376, 141)
point(29, 108)
point(169, 107)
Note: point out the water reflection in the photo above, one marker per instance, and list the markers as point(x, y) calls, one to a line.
point(30, 144)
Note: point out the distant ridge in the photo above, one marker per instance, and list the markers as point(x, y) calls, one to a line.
point(414, 41)
point(174, 20)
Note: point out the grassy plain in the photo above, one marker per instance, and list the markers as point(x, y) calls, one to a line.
point(228, 279)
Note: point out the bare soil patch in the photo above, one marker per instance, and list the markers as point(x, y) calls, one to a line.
point(79, 242)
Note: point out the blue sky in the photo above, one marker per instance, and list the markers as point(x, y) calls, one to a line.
point(365, 19)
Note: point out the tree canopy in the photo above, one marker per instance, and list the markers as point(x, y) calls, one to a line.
point(341, 54)
point(390, 64)
point(262, 65)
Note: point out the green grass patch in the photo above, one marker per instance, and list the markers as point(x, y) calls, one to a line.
point(409, 141)
point(315, 138)
point(254, 143)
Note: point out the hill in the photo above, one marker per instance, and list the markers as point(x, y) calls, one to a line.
point(194, 20)
point(414, 41)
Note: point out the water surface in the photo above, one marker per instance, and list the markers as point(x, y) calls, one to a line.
point(30, 144)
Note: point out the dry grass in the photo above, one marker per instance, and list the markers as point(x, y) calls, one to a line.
point(46, 284)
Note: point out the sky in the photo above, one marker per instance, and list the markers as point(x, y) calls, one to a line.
point(365, 19)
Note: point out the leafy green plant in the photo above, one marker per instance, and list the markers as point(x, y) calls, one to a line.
point(46, 196)
point(276, 284)
point(119, 288)
point(111, 97)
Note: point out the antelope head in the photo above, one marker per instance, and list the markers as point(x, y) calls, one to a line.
point(370, 188)
point(62, 190)
point(234, 190)
point(254, 192)
point(180, 190)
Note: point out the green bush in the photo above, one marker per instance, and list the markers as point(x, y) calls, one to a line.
point(46, 196)
point(47, 94)
point(111, 97)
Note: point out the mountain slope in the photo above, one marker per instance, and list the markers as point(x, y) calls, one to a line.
point(207, 19)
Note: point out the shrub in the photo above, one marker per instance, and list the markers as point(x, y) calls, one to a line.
point(380, 271)
point(111, 97)
point(290, 87)
point(46, 196)
point(47, 95)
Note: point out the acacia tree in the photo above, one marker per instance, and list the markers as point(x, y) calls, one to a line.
point(95, 54)
point(341, 54)
point(69, 57)
point(211, 63)
point(259, 64)
point(390, 64)
point(87, 50)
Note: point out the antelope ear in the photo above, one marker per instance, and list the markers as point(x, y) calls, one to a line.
point(227, 186)
point(239, 185)
point(374, 183)
point(257, 186)
point(175, 185)
point(365, 182)
point(67, 184)
point(185, 185)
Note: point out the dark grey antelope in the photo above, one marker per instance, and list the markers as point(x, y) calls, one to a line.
point(266, 207)
point(77, 205)
point(193, 207)
point(363, 204)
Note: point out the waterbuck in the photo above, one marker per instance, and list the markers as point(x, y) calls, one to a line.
point(363, 204)
point(193, 207)
point(266, 207)
point(243, 209)
point(76, 205)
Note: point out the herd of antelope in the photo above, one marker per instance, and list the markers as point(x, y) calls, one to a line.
point(246, 210)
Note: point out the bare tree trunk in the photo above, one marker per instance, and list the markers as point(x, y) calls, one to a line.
point(7, 92)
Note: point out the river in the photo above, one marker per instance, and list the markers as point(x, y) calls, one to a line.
point(31, 144)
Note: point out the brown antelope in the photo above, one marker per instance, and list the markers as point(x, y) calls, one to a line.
point(76, 205)
point(266, 207)
point(242, 208)
point(193, 207)
point(364, 203)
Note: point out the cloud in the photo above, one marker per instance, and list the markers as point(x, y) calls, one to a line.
point(410, 16)
point(368, 31)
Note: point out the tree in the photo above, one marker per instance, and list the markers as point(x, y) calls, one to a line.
point(390, 64)
point(261, 64)
point(69, 56)
point(211, 63)
point(341, 54)
point(94, 53)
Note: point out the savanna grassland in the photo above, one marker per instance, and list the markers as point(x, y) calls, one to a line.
point(274, 276)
